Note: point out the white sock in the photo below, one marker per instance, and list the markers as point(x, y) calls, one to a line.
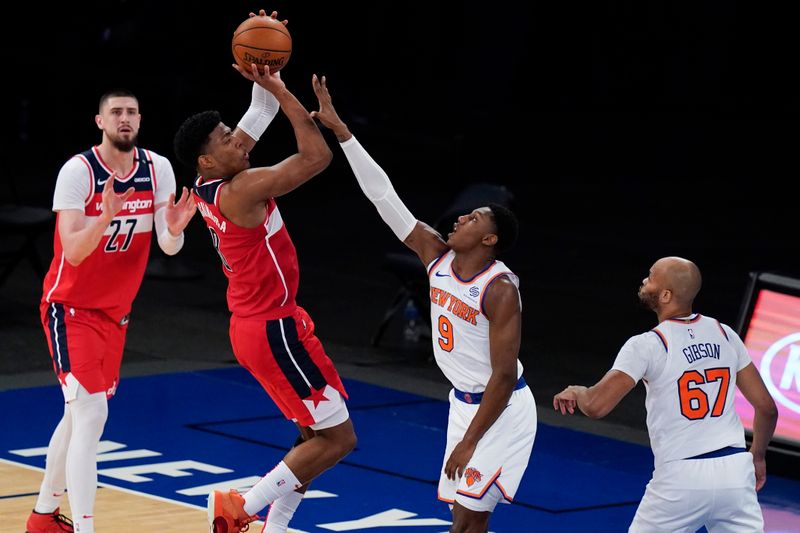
point(55, 471)
point(279, 482)
point(83, 525)
point(281, 512)
point(89, 413)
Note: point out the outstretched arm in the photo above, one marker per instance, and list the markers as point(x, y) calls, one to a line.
point(375, 184)
point(599, 399)
point(263, 106)
point(766, 417)
point(243, 201)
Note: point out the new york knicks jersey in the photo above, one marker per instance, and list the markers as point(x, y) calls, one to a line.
point(688, 366)
point(459, 324)
point(125, 245)
point(260, 263)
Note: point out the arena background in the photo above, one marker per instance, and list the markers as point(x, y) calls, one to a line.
point(625, 131)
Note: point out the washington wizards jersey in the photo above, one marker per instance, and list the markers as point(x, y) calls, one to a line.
point(459, 323)
point(689, 367)
point(260, 263)
point(125, 245)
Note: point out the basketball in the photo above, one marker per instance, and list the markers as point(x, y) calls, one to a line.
point(263, 41)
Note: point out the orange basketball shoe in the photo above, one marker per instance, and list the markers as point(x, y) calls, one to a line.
point(226, 512)
point(48, 523)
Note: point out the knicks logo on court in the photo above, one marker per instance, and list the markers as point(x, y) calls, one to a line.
point(780, 369)
point(472, 476)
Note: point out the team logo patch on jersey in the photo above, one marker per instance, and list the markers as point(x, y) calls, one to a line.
point(474, 292)
point(473, 476)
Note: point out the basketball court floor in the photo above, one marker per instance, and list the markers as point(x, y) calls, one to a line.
point(171, 438)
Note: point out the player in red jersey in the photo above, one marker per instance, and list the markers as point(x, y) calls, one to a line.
point(270, 334)
point(107, 200)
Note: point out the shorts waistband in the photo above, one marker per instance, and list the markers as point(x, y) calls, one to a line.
point(722, 452)
point(475, 397)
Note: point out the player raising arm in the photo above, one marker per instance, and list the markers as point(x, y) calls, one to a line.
point(271, 335)
point(476, 312)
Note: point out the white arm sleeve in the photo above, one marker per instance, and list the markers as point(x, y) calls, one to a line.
point(165, 185)
point(164, 178)
point(170, 244)
point(378, 189)
point(263, 108)
point(73, 185)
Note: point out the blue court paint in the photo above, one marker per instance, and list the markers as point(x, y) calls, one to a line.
point(174, 435)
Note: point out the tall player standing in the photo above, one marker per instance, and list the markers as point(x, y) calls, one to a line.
point(272, 337)
point(476, 314)
point(107, 200)
point(690, 365)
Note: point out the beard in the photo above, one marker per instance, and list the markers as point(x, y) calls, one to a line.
point(124, 145)
point(648, 300)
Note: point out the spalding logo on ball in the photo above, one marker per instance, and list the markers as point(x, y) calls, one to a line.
point(263, 41)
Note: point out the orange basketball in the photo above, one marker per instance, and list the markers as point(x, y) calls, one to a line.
point(263, 41)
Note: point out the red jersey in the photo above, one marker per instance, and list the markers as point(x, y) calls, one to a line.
point(260, 263)
point(124, 247)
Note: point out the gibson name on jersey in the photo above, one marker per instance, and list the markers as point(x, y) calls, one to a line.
point(695, 352)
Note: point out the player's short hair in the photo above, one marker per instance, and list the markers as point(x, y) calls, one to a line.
point(506, 226)
point(193, 136)
point(112, 94)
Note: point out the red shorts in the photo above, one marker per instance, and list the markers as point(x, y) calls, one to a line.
point(289, 361)
point(85, 344)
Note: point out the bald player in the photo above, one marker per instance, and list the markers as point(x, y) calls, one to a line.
point(690, 365)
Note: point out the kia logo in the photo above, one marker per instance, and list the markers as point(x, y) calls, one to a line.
point(791, 369)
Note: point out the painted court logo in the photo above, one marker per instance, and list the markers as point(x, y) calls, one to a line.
point(780, 368)
point(473, 476)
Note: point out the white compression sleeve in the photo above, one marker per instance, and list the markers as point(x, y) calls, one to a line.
point(170, 244)
point(263, 108)
point(377, 187)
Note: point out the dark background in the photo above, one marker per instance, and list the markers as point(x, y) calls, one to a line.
point(627, 131)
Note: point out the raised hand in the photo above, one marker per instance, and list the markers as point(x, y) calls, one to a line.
point(254, 74)
point(327, 114)
point(181, 212)
point(273, 16)
point(113, 202)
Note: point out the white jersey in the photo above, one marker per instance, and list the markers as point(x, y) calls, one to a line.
point(688, 366)
point(460, 327)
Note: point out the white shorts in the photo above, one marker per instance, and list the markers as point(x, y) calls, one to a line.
point(334, 413)
point(501, 456)
point(718, 493)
